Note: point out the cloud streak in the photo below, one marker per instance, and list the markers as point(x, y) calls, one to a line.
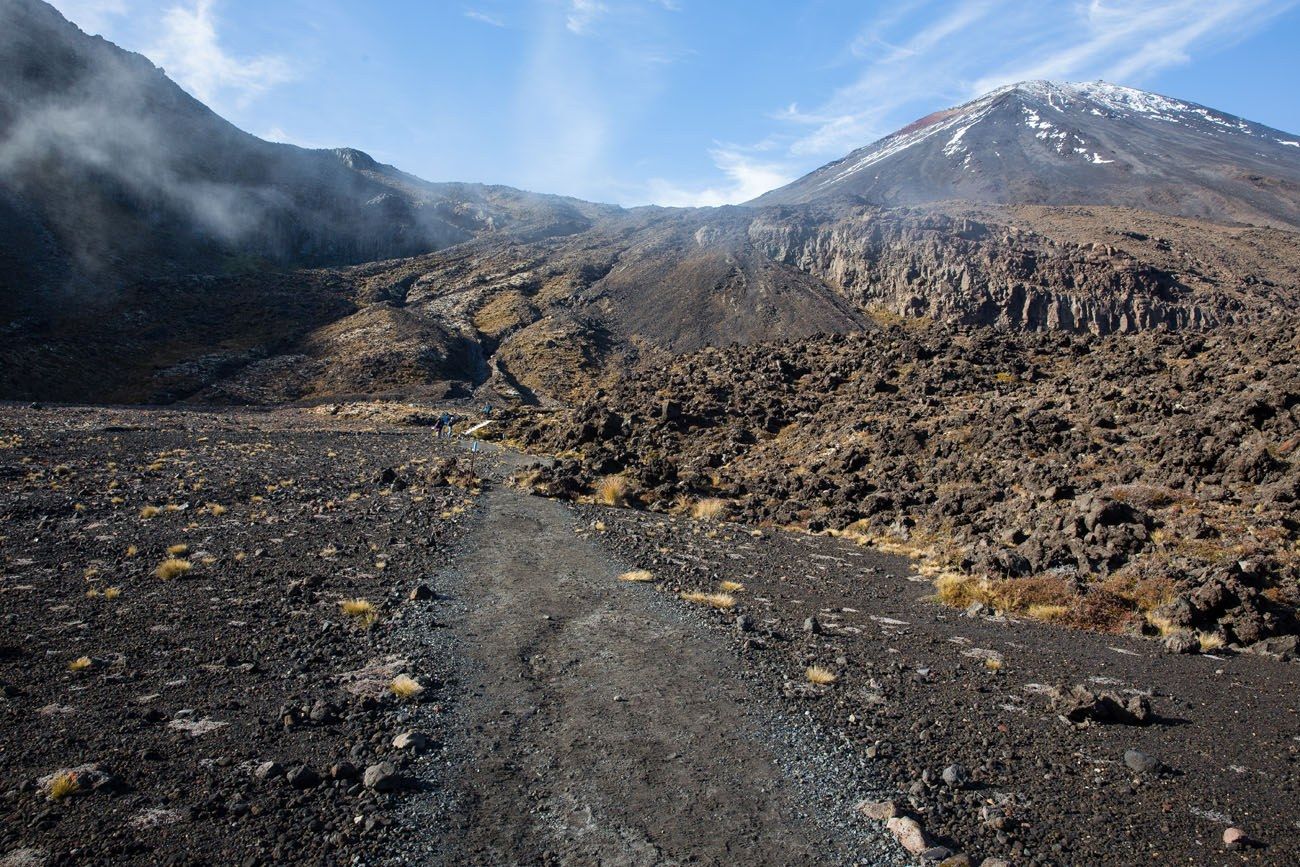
point(747, 175)
point(485, 18)
point(191, 51)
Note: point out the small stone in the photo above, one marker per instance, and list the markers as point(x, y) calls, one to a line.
point(936, 854)
point(343, 771)
point(381, 777)
point(421, 593)
point(958, 860)
point(881, 811)
point(812, 626)
point(956, 776)
point(410, 741)
point(744, 623)
point(1235, 838)
point(994, 862)
point(268, 770)
point(909, 834)
point(303, 777)
point(1181, 642)
point(1141, 762)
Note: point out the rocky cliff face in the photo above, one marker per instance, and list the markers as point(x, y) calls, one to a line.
point(961, 270)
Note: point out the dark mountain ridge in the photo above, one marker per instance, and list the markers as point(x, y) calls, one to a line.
point(110, 172)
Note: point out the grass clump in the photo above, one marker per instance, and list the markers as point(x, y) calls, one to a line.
point(112, 592)
point(613, 491)
point(820, 676)
point(731, 586)
point(172, 567)
point(637, 576)
point(960, 591)
point(405, 687)
point(1162, 624)
point(150, 512)
point(63, 785)
point(177, 550)
point(714, 600)
point(362, 611)
point(1047, 612)
point(711, 509)
point(81, 663)
point(1210, 641)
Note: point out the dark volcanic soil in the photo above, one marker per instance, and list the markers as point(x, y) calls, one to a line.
point(235, 714)
point(198, 681)
point(915, 692)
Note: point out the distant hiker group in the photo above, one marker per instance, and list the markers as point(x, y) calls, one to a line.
point(445, 426)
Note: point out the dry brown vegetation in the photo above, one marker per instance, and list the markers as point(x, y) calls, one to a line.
point(63, 785)
point(405, 687)
point(714, 600)
point(637, 576)
point(172, 567)
point(362, 611)
point(820, 676)
point(711, 509)
point(613, 491)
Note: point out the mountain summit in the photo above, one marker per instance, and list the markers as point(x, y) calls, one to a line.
point(1041, 142)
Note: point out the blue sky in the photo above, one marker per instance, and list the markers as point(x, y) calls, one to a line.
point(675, 102)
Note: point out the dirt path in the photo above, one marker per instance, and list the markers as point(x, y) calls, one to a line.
point(600, 727)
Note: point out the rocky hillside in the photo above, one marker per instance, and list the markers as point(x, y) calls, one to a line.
point(109, 172)
point(323, 273)
point(1147, 482)
point(554, 318)
point(1040, 142)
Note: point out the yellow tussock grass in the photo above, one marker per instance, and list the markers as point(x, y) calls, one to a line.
point(405, 687)
point(63, 785)
point(715, 600)
point(613, 490)
point(711, 509)
point(172, 567)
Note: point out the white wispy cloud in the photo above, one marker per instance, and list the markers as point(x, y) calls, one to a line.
point(92, 16)
point(747, 175)
point(583, 15)
point(485, 17)
point(191, 51)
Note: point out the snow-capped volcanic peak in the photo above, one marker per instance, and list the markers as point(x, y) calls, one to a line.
point(1089, 143)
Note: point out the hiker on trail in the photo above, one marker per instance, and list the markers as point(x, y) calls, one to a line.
point(451, 425)
point(437, 429)
point(487, 410)
point(444, 425)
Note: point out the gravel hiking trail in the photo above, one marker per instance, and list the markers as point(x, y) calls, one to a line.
point(599, 726)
